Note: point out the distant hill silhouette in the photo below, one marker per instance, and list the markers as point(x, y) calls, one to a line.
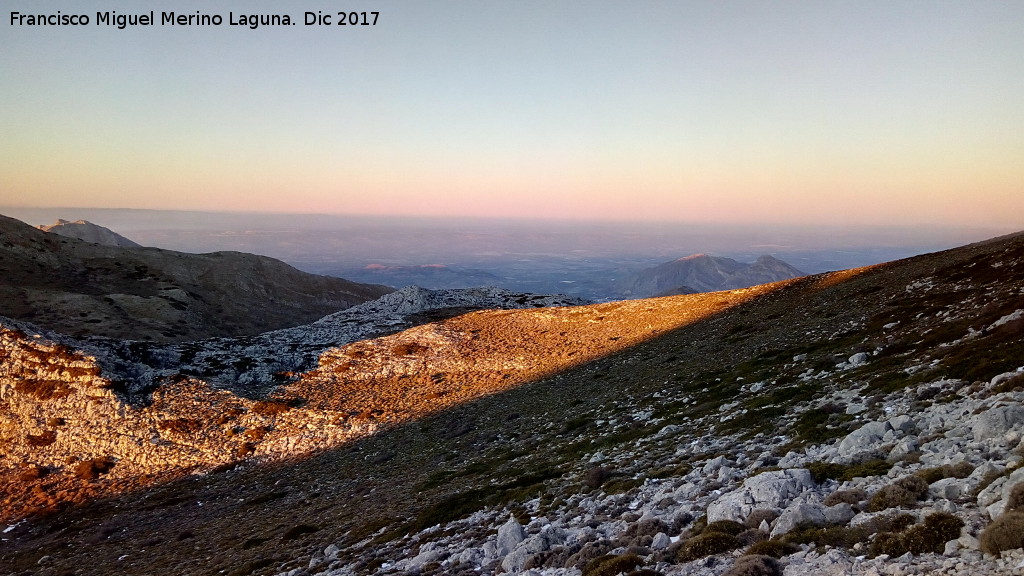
point(704, 273)
point(88, 289)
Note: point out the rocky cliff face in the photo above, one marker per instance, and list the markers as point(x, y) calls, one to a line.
point(85, 289)
point(703, 273)
point(861, 422)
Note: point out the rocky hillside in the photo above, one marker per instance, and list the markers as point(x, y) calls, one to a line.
point(89, 232)
point(859, 422)
point(703, 273)
point(85, 289)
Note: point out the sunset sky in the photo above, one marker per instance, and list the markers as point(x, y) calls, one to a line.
point(785, 112)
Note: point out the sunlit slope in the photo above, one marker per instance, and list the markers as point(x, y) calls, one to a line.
point(63, 416)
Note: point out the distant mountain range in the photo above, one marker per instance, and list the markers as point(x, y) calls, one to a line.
point(89, 232)
point(84, 288)
point(704, 273)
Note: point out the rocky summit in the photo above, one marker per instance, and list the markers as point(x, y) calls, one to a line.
point(867, 421)
point(89, 232)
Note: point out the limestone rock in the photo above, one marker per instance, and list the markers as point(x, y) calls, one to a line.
point(796, 515)
point(997, 421)
point(510, 535)
point(866, 438)
point(772, 489)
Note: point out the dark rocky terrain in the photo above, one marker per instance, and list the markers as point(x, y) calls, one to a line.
point(85, 289)
point(859, 422)
point(704, 273)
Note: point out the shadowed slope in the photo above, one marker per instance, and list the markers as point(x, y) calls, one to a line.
point(85, 289)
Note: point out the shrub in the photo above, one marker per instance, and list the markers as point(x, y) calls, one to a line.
point(642, 533)
point(852, 497)
point(836, 536)
point(39, 440)
point(773, 548)
point(91, 469)
point(270, 407)
point(755, 517)
point(33, 472)
point(904, 492)
point(610, 565)
point(933, 533)
point(596, 476)
point(929, 536)
point(755, 565)
point(589, 552)
point(959, 470)
point(1005, 533)
point(180, 426)
point(751, 536)
point(706, 544)
point(887, 543)
point(1015, 502)
point(729, 527)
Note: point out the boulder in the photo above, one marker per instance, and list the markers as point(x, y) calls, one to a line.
point(902, 448)
point(661, 541)
point(902, 423)
point(948, 488)
point(864, 439)
point(812, 514)
point(774, 489)
point(510, 534)
point(997, 421)
point(840, 514)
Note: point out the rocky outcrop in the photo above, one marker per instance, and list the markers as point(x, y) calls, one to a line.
point(89, 232)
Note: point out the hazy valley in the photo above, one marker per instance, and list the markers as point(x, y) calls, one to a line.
point(866, 421)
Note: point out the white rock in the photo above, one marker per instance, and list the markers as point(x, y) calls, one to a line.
point(510, 534)
point(867, 437)
point(997, 421)
point(772, 489)
point(798, 514)
point(948, 488)
point(952, 548)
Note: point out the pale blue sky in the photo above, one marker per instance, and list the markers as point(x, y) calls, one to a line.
point(875, 112)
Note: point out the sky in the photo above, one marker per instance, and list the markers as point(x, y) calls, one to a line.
point(872, 112)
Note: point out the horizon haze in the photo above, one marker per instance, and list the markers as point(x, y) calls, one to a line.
point(788, 113)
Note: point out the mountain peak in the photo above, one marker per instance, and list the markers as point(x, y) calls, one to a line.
point(705, 273)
